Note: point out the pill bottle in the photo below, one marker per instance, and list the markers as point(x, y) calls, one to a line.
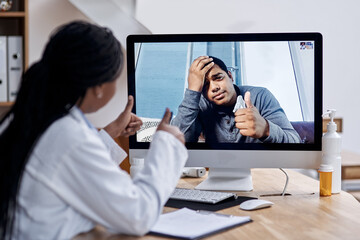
point(325, 177)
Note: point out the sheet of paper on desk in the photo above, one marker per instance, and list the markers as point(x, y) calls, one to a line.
point(190, 224)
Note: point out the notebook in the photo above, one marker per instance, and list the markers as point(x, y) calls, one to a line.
point(190, 224)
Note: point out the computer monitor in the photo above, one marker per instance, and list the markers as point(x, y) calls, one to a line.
point(282, 72)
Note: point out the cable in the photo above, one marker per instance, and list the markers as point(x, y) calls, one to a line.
point(286, 183)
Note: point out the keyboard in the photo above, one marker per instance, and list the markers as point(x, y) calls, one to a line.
point(200, 195)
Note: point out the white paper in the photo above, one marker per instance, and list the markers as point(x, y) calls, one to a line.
point(240, 103)
point(188, 223)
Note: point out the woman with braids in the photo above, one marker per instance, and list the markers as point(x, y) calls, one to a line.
point(59, 176)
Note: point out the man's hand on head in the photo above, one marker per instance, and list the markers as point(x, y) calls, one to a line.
point(197, 72)
point(249, 121)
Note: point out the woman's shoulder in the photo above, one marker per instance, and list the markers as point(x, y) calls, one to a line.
point(63, 136)
point(70, 127)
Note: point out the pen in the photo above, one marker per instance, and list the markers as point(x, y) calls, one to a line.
point(204, 212)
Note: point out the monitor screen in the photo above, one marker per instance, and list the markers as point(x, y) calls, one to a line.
point(242, 100)
point(262, 91)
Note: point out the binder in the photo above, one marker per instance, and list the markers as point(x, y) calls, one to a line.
point(15, 65)
point(3, 70)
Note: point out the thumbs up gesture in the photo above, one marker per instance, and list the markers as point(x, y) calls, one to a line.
point(165, 126)
point(126, 124)
point(249, 121)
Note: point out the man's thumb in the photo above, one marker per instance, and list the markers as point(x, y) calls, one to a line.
point(248, 100)
point(167, 117)
point(129, 104)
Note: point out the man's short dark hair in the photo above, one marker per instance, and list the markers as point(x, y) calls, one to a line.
point(221, 64)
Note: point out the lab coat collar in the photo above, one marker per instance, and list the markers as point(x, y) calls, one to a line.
point(79, 115)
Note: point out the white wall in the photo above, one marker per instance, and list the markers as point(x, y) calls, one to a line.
point(336, 20)
point(44, 17)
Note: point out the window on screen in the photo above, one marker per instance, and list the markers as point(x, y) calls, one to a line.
point(286, 69)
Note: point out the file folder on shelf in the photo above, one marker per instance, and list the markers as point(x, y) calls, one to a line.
point(3, 70)
point(15, 64)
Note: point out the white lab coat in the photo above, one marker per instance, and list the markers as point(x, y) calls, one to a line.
point(71, 183)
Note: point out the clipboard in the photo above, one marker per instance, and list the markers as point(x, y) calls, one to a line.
point(189, 224)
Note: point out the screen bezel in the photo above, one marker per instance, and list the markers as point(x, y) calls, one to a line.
point(261, 37)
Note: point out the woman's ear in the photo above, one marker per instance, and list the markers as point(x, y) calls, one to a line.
point(98, 91)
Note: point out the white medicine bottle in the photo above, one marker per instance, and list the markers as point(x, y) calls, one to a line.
point(136, 165)
point(331, 151)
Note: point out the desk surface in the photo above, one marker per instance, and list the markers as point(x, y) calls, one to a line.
point(303, 215)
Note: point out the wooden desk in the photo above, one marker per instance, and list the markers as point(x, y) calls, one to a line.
point(303, 215)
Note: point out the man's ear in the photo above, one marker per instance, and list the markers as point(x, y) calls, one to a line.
point(230, 76)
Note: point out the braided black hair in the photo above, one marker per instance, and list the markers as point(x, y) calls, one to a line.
point(78, 56)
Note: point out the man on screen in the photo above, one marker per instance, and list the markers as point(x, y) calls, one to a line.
point(208, 108)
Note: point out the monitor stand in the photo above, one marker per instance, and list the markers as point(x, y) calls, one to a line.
point(230, 179)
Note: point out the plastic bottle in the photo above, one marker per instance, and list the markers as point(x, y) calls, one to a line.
point(136, 165)
point(331, 154)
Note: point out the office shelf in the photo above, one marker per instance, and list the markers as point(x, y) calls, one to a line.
point(12, 14)
point(6, 104)
point(15, 22)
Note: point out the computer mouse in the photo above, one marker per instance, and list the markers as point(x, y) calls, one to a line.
point(254, 204)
